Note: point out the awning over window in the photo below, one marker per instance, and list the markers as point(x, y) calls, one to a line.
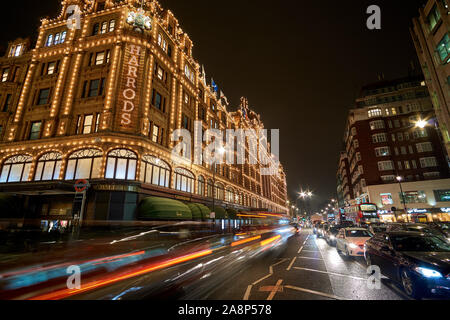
point(196, 212)
point(154, 208)
point(232, 214)
point(221, 213)
point(204, 210)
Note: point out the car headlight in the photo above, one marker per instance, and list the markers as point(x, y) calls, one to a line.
point(428, 273)
point(353, 246)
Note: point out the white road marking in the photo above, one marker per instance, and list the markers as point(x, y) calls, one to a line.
point(316, 293)
point(247, 292)
point(332, 273)
point(311, 258)
point(291, 264)
point(275, 290)
point(310, 251)
point(249, 288)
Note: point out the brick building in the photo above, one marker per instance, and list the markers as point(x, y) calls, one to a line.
point(100, 102)
point(392, 132)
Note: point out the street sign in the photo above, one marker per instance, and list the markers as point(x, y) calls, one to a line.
point(81, 185)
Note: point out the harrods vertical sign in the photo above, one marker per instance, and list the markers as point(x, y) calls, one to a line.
point(129, 95)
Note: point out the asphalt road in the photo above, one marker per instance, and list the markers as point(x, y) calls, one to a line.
point(306, 268)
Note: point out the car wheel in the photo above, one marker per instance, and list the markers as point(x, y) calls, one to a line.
point(410, 286)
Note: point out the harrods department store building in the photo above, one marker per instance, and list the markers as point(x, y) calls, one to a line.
point(100, 102)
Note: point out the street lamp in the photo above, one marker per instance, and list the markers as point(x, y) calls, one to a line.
point(400, 179)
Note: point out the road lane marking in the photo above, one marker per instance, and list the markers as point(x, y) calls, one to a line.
point(247, 293)
point(274, 290)
point(300, 250)
point(262, 279)
point(311, 258)
point(332, 273)
point(291, 264)
point(310, 251)
point(249, 288)
point(316, 293)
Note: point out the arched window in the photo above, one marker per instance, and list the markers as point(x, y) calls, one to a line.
point(229, 195)
point(155, 171)
point(48, 167)
point(84, 164)
point(121, 164)
point(184, 180)
point(201, 186)
point(210, 188)
point(220, 192)
point(16, 169)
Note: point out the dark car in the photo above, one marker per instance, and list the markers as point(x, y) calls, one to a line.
point(320, 230)
point(378, 228)
point(330, 234)
point(442, 227)
point(316, 227)
point(417, 227)
point(420, 262)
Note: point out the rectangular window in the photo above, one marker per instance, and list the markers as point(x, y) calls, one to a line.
point(424, 147)
point(44, 95)
point(430, 162)
point(51, 68)
point(407, 165)
point(35, 130)
point(375, 125)
point(99, 58)
point(375, 113)
point(431, 175)
point(7, 103)
point(87, 126)
point(378, 138)
point(388, 178)
point(414, 164)
point(157, 100)
point(434, 17)
point(414, 197)
point(411, 150)
point(442, 195)
point(385, 165)
point(403, 150)
point(443, 48)
point(112, 25)
point(5, 74)
point(382, 152)
point(155, 133)
point(104, 28)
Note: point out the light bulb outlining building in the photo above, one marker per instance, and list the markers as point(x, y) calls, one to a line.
point(100, 102)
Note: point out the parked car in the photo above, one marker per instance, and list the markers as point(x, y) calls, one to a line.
point(420, 262)
point(443, 227)
point(350, 241)
point(330, 234)
point(377, 228)
point(417, 227)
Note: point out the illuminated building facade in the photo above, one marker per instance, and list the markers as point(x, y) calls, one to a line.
point(387, 137)
point(100, 103)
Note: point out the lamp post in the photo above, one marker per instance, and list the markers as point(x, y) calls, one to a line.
point(399, 179)
point(305, 195)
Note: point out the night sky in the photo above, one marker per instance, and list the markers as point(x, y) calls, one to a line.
point(300, 63)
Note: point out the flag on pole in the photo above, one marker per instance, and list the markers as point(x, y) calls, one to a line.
point(214, 85)
point(222, 96)
point(203, 75)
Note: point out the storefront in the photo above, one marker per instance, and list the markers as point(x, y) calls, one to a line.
point(416, 215)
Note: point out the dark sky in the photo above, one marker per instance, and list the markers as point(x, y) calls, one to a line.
point(300, 63)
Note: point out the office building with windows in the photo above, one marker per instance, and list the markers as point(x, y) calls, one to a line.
point(391, 134)
point(98, 99)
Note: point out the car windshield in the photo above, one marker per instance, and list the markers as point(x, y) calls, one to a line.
point(358, 234)
point(420, 244)
point(379, 229)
